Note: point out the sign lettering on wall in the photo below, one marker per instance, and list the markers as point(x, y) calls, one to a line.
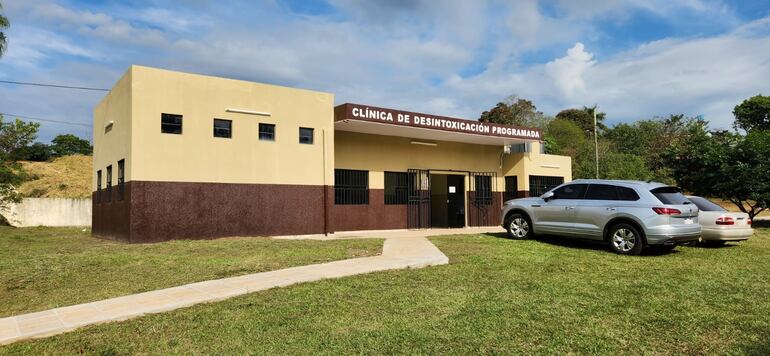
point(405, 118)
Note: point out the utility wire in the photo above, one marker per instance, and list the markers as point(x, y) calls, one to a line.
point(47, 120)
point(52, 85)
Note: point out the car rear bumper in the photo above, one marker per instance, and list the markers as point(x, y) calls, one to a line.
point(727, 234)
point(673, 235)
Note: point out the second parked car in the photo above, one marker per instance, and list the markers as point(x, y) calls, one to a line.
point(719, 225)
point(628, 215)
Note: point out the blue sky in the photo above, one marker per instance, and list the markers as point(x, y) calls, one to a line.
point(635, 59)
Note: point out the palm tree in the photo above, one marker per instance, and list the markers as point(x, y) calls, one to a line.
point(3, 25)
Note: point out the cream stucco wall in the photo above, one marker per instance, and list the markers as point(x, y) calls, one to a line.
point(114, 145)
point(378, 154)
point(523, 165)
point(136, 102)
point(196, 155)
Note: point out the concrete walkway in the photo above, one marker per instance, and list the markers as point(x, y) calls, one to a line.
point(402, 249)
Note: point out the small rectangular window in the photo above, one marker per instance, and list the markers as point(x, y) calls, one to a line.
point(511, 188)
point(171, 124)
point(483, 193)
point(267, 132)
point(396, 188)
point(99, 186)
point(351, 187)
point(223, 128)
point(306, 135)
point(121, 179)
point(109, 184)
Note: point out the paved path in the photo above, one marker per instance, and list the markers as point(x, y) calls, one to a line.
point(402, 249)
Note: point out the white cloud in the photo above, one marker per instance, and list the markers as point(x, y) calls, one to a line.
point(406, 54)
point(567, 72)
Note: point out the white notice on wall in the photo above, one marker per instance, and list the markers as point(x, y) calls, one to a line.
point(452, 189)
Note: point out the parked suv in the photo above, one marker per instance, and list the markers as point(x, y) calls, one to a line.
point(628, 215)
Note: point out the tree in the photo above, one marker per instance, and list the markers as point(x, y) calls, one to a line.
point(515, 111)
point(650, 139)
point(725, 165)
point(69, 144)
point(37, 152)
point(753, 114)
point(4, 24)
point(566, 138)
point(13, 135)
point(584, 118)
point(612, 165)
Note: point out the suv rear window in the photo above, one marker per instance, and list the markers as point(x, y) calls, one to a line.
point(627, 194)
point(601, 192)
point(670, 195)
point(704, 204)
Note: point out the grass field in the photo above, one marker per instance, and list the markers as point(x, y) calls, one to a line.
point(43, 268)
point(496, 296)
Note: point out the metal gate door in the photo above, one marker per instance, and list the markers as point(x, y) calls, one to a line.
point(418, 202)
point(481, 188)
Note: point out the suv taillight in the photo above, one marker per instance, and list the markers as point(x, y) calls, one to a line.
point(666, 211)
point(725, 220)
point(749, 222)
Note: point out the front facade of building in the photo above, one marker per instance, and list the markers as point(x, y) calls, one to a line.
point(179, 155)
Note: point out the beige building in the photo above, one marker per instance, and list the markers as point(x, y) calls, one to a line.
point(179, 155)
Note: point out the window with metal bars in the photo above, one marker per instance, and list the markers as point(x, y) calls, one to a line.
point(99, 186)
point(483, 185)
point(109, 184)
point(511, 188)
point(396, 188)
point(121, 179)
point(351, 187)
point(541, 184)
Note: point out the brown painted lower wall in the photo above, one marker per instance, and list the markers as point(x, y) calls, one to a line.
point(374, 216)
point(111, 217)
point(162, 211)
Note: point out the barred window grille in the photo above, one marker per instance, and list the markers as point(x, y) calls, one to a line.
point(109, 184)
point(511, 188)
point(483, 185)
point(121, 179)
point(351, 187)
point(541, 184)
point(396, 188)
point(99, 186)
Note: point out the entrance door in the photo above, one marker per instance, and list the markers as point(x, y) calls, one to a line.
point(456, 200)
point(447, 200)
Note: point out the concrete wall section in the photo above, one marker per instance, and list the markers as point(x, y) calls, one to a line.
point(49, 212)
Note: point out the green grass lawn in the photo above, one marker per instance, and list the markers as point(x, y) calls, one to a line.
point(43, 268)
point(496, 296)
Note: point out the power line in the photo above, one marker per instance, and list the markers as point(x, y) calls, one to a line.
point(52, 85)
point(47, 120)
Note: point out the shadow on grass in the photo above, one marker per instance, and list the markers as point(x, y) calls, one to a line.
point(583, 244)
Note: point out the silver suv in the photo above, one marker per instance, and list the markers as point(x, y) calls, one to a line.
point(628, 215)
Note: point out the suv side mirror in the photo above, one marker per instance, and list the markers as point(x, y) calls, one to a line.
point(547, 196)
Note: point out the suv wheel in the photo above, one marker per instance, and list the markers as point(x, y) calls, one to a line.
point(518, 226)
point(626, 240)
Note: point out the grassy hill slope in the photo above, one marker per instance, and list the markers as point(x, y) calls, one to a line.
point(64, 177)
